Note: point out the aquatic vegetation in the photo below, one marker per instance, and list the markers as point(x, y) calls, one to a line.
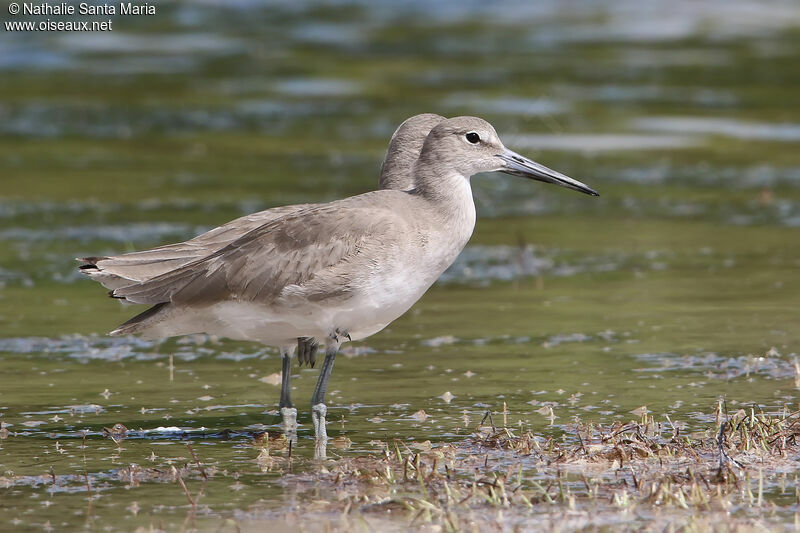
point(627, 474)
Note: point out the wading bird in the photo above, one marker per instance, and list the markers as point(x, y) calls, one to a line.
point(337, 271)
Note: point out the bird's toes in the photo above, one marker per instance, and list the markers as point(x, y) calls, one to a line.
point(312, 353)
point(307, 350)
point(340, 333)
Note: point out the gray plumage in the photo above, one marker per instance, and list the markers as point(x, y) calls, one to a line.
point(404, 149)
point(304, 248)
point(118, 271)
point(137, 267)
point(333, 257)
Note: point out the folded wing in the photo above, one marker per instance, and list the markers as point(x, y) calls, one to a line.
point(300, 251)
point(127, 269)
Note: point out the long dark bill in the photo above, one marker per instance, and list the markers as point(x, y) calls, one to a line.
point(518, 165)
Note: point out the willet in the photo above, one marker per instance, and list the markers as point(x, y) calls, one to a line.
point(341, 270)
point(119, 271)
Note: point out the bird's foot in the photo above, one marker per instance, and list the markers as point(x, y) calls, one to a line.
point(289, 416)
point(320, 450)
point(318, 413)
point(289, 423)
point(340, 333)
point(307, 348)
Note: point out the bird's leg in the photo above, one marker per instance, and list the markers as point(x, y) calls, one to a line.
point(318, 408)
point(288, 412)
point(286, 376)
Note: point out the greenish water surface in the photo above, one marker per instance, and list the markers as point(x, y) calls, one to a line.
point(677, 287)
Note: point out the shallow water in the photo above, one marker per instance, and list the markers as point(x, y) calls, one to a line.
point(677, 287)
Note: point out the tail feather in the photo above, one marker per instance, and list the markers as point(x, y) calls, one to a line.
point(141, 321)
point(121, 271)
point(157, 290)
point(91, 261)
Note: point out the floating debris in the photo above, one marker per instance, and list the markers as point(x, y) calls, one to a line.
point(272, 379)
point(342, 442)
point(440, 341)
point(420, 416)
point(117, 430)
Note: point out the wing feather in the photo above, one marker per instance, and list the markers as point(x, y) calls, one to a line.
point(286, 252)
point(135, 267)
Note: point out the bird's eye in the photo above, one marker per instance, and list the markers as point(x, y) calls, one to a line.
point(473, 137)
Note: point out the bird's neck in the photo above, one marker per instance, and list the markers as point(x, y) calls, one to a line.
point(450, 196)
point(437, 181)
